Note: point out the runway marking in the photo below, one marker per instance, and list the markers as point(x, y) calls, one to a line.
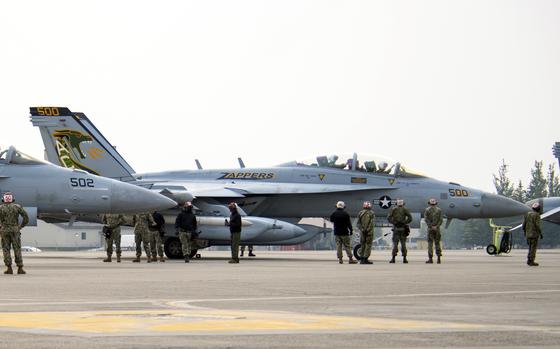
point(154, 322)
point(181, 317)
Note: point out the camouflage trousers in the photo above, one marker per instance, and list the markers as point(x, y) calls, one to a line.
point(11, 239)
point(114, 238)
point(343, 241)
point(366, 240)
point(186, 237)
point(140, 239)
point(434, 237)
point(533, 243)
point(235, 240)
point(156, 245)
point(399, 236)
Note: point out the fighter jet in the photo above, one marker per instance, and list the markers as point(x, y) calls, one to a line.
point(291, 191)
point(44, 190)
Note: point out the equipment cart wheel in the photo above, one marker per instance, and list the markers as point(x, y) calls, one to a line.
point(491, 249)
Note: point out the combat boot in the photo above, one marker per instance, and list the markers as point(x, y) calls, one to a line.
point(404, 260)
point(154, 259)
point(107, 260)
point(162, 259)
point(532, 264)
point(187, 260)
point(362, 261)
point(251, 254)
point(340, 261)
point(20, 270)
point(9, 270)
point(367, 261)
point(392, 260)
point(149, 259)
point(118, 258)
point(233, 261)
point(438, 259)
point(352, 261)
point(430, 260)
point(136, 260)
point(241, 253)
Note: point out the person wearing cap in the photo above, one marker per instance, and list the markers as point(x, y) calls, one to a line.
point(400, 217)
point(532, 229)
point(235, 232)
point(342, 231)
point(185, 227)
point(434, 219)
point(366, 222)
point(10, 231)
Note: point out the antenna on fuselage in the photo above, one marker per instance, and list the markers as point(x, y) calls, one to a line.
point(241, 163)
point(198, 165)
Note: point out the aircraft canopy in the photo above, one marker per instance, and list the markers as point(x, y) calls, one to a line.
point(357, 162)
point(14, 156)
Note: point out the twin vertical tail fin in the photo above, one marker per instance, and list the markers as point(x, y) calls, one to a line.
point(71, 140)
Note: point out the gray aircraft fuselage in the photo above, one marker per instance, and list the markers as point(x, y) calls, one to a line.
point(455, 200)
point(43, 188)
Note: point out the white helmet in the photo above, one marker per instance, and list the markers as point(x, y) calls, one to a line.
point(340, 204)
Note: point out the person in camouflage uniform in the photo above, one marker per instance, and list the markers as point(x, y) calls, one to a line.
point(434, 218)
point(113, 222)
point(400, 217)
point(532, 229)
point(157, 234)
point(10, 231)
point(142, 223)
point(366, 222)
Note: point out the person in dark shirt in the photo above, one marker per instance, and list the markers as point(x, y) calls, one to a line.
point(235, 232)
point(342, 232)
point(185, 227)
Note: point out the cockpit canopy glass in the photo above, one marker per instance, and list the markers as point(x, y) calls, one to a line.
point(13, 156)
point(357, 162)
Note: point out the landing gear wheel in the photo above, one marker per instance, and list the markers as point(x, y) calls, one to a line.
point(173, 248)
point(357, 251)
point(491, 249)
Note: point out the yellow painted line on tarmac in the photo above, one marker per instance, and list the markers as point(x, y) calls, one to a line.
point(205, 321)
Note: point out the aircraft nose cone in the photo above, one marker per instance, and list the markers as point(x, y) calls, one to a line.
point(496, 206)
point(128, 198)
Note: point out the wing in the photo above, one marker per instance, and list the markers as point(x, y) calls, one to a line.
point(552, 216)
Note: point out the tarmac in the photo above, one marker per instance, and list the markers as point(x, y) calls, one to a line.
point(298, 299)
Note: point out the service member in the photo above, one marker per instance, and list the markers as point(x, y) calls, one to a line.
point(235, 232)
point(250, 247)
point(434, 218)
point(112, 231)
point(185, 226)
point(157, 233)
point(342, 232)
point(400, 217)
point(532, 229)
point(10, 231)
point(366, 222)
point(142, 223)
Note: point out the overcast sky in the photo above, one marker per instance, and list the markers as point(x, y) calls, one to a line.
point(447, 87)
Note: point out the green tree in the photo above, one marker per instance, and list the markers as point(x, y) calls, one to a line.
point(553, 182)
point(519, 194)
point(501, 181)
point(537, 186)
point(476, 232)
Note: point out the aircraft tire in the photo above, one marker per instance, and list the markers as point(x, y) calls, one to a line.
point(491, 249)
point(357, 251)
point(172, 248)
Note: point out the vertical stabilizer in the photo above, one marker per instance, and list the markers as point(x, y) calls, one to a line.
point(71, 140)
